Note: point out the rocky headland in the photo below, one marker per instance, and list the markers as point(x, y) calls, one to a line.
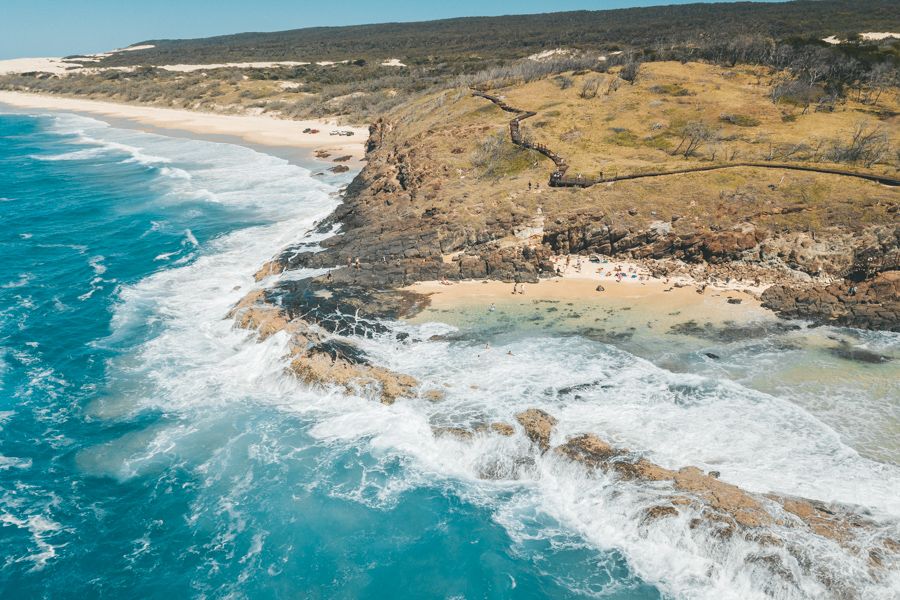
point(436, 201)
point(433, 202)
point(453, 189)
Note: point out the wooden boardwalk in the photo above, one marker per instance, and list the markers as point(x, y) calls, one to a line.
point(558, 177)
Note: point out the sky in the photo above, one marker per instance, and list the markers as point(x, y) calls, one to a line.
point(63, 27)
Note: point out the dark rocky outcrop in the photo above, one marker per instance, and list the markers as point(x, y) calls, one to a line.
point(585, 235)
point(318, 320)
point(867, 296)
point(869, 304)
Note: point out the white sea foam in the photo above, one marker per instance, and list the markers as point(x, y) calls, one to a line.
point(755, 440)
point(12, 462)
point(97, 265)
point(39, 527)
point(85, 154)
point(189, 237)
point(200, 365)
point(23, 280)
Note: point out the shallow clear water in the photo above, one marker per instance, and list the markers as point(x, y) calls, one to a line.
point(149, 449)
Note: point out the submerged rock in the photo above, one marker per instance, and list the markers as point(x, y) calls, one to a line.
point(730, 331)
point(465, 433)
point(849, 352)
point(504, 429)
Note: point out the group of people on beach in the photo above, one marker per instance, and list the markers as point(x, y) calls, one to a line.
point(562, 270)
point(619, 273)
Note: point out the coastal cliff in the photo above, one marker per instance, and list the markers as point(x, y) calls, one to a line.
point(446, 194)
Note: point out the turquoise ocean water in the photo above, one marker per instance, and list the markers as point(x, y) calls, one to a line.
point(127, 472)
point(150, 450)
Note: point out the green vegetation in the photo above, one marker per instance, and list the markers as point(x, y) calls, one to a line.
point(497, 157)
point(516, 36)
point(739, 120)
point(670, 89)
point(592, 53)
point(622, 137)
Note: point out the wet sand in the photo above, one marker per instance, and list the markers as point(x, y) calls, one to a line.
point(636, 289)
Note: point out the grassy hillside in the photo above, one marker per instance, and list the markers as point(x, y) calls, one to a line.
point(460, 166)
point(674, 115)
point(521, 35)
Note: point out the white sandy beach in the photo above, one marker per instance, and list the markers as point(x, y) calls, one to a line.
point(579, 284)
point(267, 131)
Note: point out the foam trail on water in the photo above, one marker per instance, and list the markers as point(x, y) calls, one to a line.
point(757, 441)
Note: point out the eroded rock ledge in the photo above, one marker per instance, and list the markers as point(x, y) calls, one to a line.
point(317, 324)
point(726, 510)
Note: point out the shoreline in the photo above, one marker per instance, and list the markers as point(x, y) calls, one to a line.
point(721, 302)
point(251, 130)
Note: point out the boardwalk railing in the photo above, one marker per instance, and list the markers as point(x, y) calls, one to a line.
point(558, 177)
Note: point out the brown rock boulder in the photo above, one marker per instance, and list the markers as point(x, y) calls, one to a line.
point(871, 304)
point(538, 426)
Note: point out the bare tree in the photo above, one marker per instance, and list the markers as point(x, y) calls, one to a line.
point(796, 92)
point(630, 70)
point(563, 82)
point(693, 134)
point(881, 77)
point(867, 145)
point(613, 86)
point(487, 156)
point(589, 88)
